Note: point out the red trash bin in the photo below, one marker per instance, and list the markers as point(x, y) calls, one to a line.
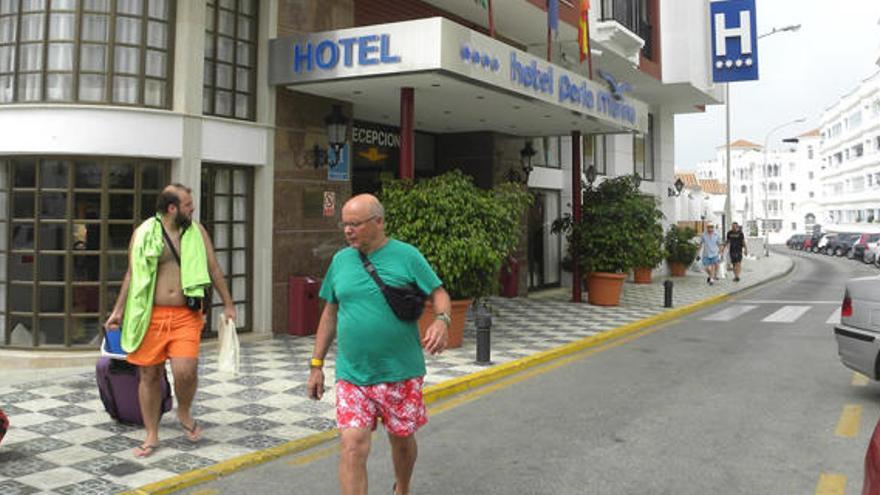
point(510, 277)
point(302, 311)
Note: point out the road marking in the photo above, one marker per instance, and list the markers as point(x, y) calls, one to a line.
point(782, 301)
point(860, 380)
point(834, 318)
point(848, 426)
point(474, 394)
point(787, 314)
point(730, 313)
point(831, 484)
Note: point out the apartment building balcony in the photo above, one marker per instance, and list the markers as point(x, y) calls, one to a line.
point(621, 29)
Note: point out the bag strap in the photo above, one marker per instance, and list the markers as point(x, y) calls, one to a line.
point(171, 244)
point(372, 271)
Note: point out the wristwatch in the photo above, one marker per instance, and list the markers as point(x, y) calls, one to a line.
point(445, 318)
point(316, 363)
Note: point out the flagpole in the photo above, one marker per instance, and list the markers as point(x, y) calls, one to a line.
point(491, 21)
point(589, 45)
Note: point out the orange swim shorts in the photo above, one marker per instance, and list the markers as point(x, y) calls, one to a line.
point(174, 332)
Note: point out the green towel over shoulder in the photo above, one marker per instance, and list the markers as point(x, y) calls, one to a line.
point(144, 260)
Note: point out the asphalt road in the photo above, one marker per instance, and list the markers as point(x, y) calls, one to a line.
point(725, 401)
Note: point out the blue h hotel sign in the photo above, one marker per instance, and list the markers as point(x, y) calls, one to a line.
point(734, 41)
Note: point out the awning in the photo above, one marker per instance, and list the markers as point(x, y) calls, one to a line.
point(464, 81)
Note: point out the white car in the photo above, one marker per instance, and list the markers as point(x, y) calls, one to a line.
point(872, 250)
point(823, 241)
point(858, 333)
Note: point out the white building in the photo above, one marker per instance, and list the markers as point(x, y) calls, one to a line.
point(104, 102)
point(850, 160)
point(775, 190)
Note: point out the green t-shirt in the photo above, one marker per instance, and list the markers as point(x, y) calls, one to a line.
point(373, 345)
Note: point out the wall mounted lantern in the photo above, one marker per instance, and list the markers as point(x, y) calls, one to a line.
point(337, 131)
point(675, 191)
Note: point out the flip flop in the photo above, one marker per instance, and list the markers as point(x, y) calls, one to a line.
point(194, 432)
point(145, 451)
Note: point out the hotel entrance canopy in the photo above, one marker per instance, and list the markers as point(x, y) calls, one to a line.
point(464, 81)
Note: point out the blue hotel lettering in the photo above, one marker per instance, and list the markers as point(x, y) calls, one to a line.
point(371, 50)
point(531, 76)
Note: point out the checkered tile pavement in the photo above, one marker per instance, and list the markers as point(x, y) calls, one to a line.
point(61, 440)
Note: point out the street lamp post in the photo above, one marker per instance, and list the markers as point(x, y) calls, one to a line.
point(728, 211)
point(765, 176)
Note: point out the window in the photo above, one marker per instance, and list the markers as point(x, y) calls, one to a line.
point(809, 152)
point(810, 175)
point(742, 189)
point(600, 153)
point(230, 59)
point(70, 222)
point(812, 194)
point(110, 51)
point(550, 151)
point(793, 186)
point(858, 150)
point(643, 152)
point(793, 225)
point(227, 213)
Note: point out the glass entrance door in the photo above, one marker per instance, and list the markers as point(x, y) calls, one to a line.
point(544, 247)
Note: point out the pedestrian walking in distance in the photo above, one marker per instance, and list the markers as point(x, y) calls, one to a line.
point(380, 362)
point(711, 252)
point(160, 307)
point(736, 247)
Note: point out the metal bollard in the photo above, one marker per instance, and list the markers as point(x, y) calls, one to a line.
point(667, 294)
point(483, 320)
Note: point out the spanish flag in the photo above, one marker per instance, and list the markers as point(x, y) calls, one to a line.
point(584, 29)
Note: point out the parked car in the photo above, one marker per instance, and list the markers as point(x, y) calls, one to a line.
point(872, 249)
point(860, 248)
point(871, 483)
point(858, 333)
point(796, 241)
point(822, 243)
point(809, 242)
point(843, 244)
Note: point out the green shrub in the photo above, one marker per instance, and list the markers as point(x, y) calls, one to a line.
point(679, 247)
point(464, 232)
point(619, 228)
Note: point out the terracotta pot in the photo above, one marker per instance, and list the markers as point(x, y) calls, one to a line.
point(677, 268)
point(456, 330)
point(642, 275)
point(603, 289)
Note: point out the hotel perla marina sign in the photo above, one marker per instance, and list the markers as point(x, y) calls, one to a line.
point(437, 44)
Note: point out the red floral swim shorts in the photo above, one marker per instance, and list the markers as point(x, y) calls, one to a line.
point(399, 404)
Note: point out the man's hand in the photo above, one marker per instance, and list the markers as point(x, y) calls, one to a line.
point(113, 321)
point(229, 312)
point(436, 337)
point(315, 385)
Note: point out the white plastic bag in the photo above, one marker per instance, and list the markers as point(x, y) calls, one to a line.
point(722, 269)
point(228, 359)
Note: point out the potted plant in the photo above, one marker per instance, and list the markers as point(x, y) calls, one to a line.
point(680, 251)
point(463, 231)
point(603, 241)
point(648, 249)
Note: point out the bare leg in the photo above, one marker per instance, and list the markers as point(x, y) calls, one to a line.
point(353, 460)
point(150, 397)
point(404, 452)
point(186, 379)
point(736, 269)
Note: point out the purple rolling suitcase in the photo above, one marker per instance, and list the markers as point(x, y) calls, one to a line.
point(118, 386)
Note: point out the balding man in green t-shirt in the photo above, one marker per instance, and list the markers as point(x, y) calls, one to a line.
point(380, 363)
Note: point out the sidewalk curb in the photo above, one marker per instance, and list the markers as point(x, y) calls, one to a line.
point(434, 393)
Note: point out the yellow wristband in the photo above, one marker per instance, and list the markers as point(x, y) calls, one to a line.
point(316, 363)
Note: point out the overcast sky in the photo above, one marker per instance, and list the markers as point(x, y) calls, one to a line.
point(801, 74)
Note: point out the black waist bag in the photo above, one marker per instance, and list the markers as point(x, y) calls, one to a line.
point(407, 303)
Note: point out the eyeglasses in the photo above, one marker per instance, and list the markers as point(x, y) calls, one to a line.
point(355, 225)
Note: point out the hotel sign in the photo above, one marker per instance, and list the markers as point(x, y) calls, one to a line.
point(440, 45)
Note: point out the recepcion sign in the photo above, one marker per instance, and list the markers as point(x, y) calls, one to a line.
point(734, 41)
